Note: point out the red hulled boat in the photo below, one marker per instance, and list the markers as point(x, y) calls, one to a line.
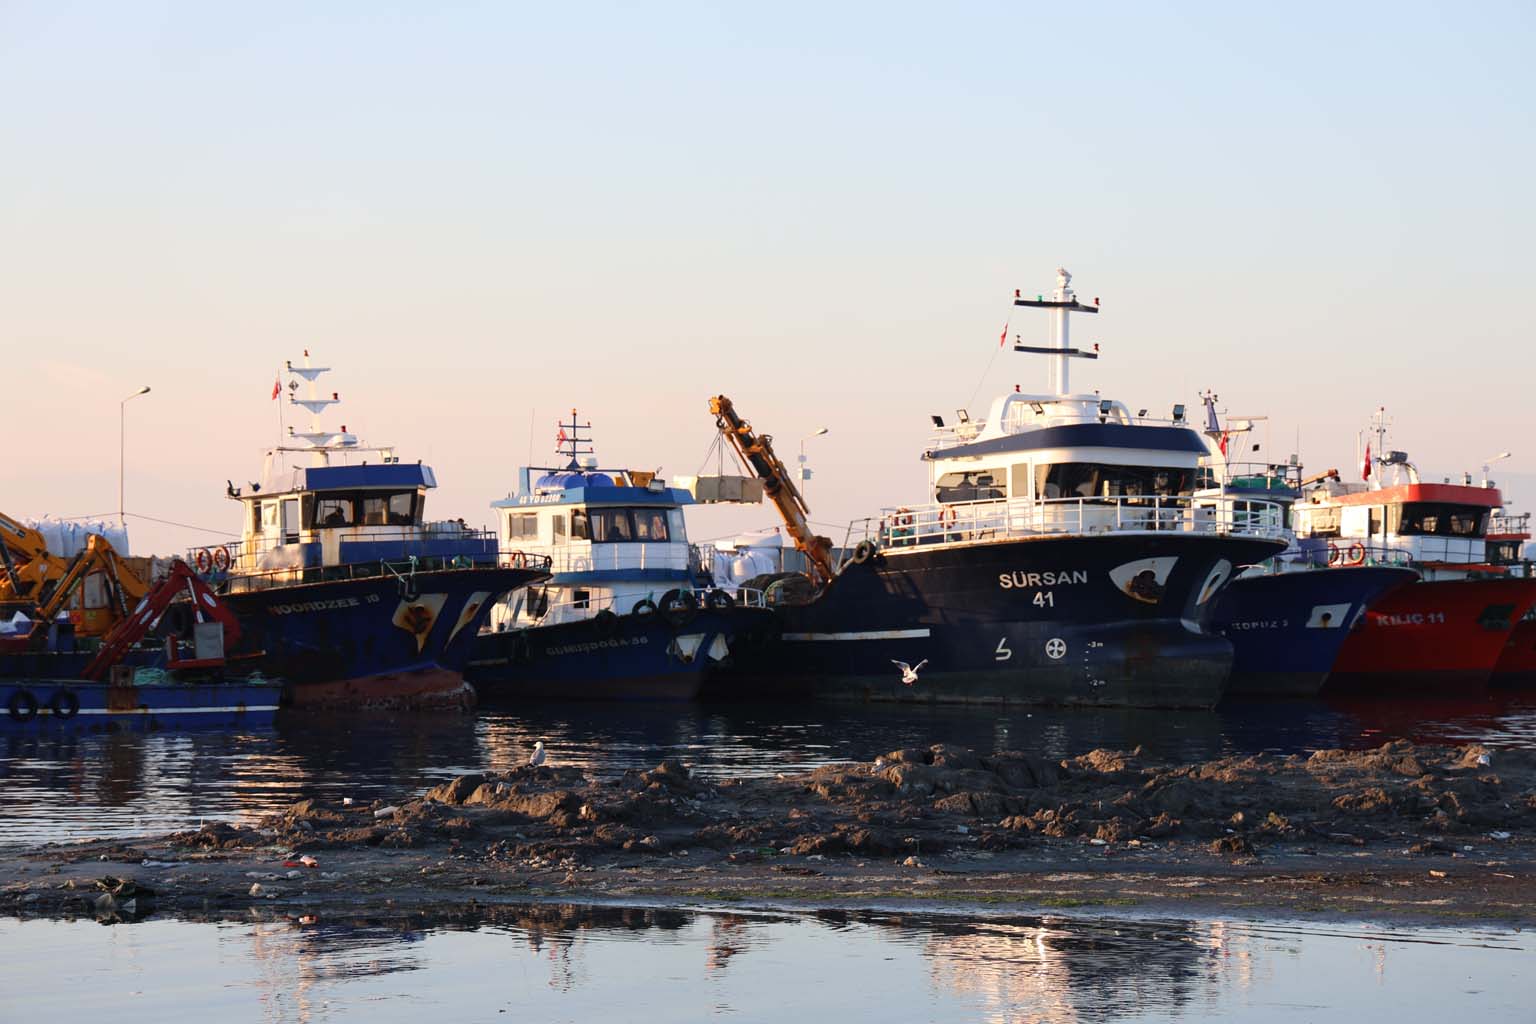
point(1507, 534)
point(1448, 631)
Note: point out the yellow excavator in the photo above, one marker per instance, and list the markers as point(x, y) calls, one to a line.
point(42, 585)
point(756, 453)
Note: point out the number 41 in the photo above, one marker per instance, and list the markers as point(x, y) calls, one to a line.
point(1045, 599)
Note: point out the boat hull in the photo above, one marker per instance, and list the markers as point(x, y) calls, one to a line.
point(373, 642)
point(1516, 666)
point(1441, 636)
point(93, 706)
point(1287, 628)
point(633, 657)
point(1115, 620)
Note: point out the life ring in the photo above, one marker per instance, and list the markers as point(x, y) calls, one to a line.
point(221, 559)
point(65, 704)
point(947, 517)
point(605, 623)
point(679, 606)
point(643, 607)
point(719, 600)
point(23, 706)
point(863, 551)
point(203, 561)
point(1355, 555)
point(1334, 554)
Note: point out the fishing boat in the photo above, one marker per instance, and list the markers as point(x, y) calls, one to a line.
point(342, 586)
point(1446, 632)
point(623, 615)
point(1288, 616)
point(1507, 536)
point(186, 682)
point(1062, 558)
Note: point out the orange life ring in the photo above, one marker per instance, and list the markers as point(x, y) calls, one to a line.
point(947, 517)
point(221, 559)
point(1334, 554)
point(1356, 554)
point(203, 560)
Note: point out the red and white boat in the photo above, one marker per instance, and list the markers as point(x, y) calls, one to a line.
point(1448, 631)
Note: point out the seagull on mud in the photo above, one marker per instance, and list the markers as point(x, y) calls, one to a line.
point(537, 757)
point(909, 672)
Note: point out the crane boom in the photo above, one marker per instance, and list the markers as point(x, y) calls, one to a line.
point(756, 453)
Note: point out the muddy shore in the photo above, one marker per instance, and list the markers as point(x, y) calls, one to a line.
point(1399, 833)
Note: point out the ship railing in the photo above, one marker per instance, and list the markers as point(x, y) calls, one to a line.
point(1333, 552)
point(1510, 524)
point(578, 610)
point(257, 564)
point(972, 522)
point(640, 555)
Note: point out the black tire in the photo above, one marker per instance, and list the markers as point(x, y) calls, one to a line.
point(863, 551)
point(719, 599)
point(679, 606)
point(23, 706)
point(643, 607)
point(65, 704)
point(605, 623)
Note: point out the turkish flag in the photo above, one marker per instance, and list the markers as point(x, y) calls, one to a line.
point(1365, 467)
point(277, 388)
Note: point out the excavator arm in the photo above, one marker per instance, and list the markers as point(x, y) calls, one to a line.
point(19, 546)
point(56, 589)
point(205, 607)
point(756, 453)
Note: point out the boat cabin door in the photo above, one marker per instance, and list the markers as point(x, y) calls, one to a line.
point(290, 520)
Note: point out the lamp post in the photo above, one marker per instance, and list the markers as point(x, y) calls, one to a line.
point(805, 474)
point(1490, 461)
point(122, 417)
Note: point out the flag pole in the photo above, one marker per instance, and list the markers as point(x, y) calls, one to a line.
point(279, 406)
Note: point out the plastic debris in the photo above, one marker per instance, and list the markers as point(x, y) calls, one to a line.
point(1496, 834)
point(386, 812)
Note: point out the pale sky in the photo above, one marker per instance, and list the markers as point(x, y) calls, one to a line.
point(480, 213)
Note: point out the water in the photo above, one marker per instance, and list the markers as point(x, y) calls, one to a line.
point(64, 786)
point(561, 963)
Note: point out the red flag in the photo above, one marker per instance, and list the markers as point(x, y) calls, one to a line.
point(1003, 338)
point(1224, 436)
point(277, 388)
point(1365, 467)
point(560, 437)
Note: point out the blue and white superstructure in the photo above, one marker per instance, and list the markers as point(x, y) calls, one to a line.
point(343, 588)
point(623, 614)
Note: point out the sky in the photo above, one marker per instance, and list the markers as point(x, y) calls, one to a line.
point(483, 215)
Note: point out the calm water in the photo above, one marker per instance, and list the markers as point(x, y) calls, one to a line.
point(552, 964)
point(70, 785)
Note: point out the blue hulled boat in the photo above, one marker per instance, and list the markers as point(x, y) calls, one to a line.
point(1288, 616)
point(622, 616)
point(343, 588)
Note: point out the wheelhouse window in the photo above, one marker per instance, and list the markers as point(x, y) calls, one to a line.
point(1441, 519)
point(1102, 480)
point(523, 526)
point(627, 525)
point(402, 509)
point(332, 510)
point(971, 485)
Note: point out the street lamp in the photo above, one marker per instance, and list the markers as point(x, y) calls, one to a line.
point(805, 474)
point(1490, 461)
point(122, 448)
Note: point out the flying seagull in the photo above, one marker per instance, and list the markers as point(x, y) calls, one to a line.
point(538, 754)
point(909, 672)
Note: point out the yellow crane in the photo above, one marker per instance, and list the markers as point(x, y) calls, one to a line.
point(42, 584)
point(756, 453)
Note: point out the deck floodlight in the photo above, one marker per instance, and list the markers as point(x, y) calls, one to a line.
point(1039, 409)
point(938, 421)
point(1104, 406)
point(1142, 414)
point(962, 415)
point(1178, 413)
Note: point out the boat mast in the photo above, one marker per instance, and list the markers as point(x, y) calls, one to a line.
point(1062, 303)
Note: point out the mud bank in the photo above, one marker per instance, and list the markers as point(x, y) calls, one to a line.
point(1399, 833)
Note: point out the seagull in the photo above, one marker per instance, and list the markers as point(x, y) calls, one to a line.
point(909, 672)
point(538, 754)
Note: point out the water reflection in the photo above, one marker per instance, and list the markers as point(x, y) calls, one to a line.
point(580, 963)
point(56, 786)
